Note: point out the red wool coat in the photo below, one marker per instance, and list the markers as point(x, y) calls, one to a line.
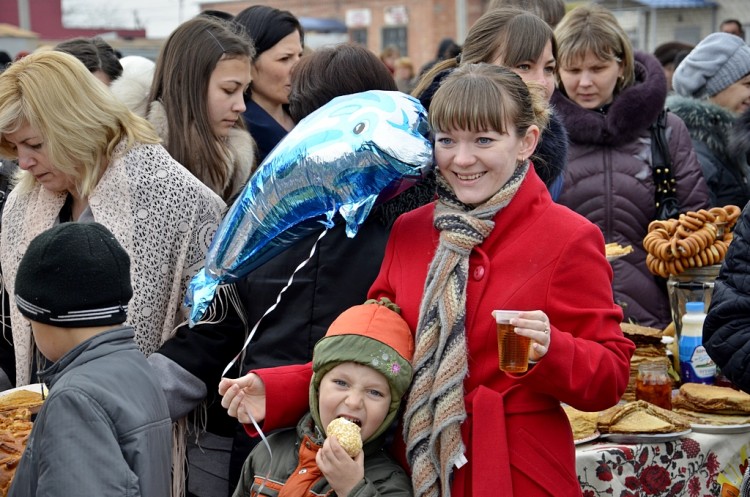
point(540, 255)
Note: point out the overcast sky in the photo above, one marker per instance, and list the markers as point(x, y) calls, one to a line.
point(158, 17)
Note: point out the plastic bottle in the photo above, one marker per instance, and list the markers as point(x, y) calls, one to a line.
point(695, 364)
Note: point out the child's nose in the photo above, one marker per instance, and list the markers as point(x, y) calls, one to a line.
point(354, 399)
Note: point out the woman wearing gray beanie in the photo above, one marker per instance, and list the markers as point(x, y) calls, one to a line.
point(712, 86)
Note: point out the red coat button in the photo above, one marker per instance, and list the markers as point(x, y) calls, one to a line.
point(479, 273)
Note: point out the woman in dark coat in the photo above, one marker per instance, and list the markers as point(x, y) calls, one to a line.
point(278, 38)
point(726, 332)
point(608, 98)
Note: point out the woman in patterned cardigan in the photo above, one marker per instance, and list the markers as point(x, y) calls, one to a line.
point(91, 159)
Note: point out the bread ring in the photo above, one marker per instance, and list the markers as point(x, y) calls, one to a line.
point(705, 216)
point(704, 258)
point(719, 213)
point(687, 247)
point(679, 268)
point(689, 222)
point(673, 248)
point(733, 213)
point(682, 231)
point(693, 246)
point(664, 253)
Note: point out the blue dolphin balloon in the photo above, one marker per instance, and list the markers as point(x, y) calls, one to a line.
point(354, 152)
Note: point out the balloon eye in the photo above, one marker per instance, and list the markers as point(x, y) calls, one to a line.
point(359, 128)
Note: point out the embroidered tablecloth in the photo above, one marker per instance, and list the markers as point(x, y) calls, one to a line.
point(697, 465)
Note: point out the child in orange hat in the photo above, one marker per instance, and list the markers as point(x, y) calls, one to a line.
point(361, 371)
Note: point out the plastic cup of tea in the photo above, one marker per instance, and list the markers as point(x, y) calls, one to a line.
point(513, 349)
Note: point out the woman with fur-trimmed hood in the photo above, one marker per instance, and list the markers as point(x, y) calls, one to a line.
point(608, 97)
point(195, 101)
point(713, 87)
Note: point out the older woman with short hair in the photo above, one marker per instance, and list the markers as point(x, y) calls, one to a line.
point(608, 96)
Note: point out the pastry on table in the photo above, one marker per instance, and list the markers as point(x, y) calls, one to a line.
point(641, 417)
point(711, 399)
point(583, 424)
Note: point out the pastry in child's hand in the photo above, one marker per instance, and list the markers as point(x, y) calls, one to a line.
point(348, 434)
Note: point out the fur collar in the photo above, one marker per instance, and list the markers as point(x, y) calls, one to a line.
point(630, 114)
point(706, 122)
point(240, 159)
point(134, 85)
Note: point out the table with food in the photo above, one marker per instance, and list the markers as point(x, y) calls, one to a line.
point(698, 446)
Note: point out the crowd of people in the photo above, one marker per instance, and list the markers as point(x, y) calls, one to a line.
point(542, 126)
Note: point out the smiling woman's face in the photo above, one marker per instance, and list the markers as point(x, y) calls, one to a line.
point(477, 164)
point(735, 97)
point(32, 157)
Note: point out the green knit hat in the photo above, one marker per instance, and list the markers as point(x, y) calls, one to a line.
point(372, 334)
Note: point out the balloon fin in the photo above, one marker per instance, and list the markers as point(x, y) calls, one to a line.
point(356, 213)
point(199, 295)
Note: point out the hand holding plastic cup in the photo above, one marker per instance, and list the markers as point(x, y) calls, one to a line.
point(512, 348)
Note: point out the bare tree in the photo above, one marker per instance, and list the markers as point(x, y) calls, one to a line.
point(85, 14)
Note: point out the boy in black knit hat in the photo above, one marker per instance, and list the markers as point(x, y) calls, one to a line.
point(104, 429)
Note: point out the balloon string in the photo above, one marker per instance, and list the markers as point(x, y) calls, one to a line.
point(270, 309)
point(249, 339)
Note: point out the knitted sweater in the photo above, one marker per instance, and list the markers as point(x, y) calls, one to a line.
point(159, 212)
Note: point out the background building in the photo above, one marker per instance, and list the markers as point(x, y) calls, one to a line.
point(414, 26)
point(653, 22)
point(417, 26)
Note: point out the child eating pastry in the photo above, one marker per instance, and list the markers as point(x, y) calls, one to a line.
point(361, 370)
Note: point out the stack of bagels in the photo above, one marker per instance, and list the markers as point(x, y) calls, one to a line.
point(695, 239)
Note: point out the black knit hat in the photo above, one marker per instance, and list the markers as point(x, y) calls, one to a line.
point(74, 275)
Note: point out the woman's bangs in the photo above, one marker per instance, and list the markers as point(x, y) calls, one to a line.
point(524, 43)
point(469, 104)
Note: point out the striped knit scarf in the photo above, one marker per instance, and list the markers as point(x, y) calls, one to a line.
point(435, 408)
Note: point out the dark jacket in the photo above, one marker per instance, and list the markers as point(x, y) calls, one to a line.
point(7, 356)
point(726, 331)
point(551, 154)
point(266, 131)
point(104, 430)
point(710, 128)
point(293, 463)
point(609, 180)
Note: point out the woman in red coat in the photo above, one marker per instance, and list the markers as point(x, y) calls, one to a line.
point(493, 240)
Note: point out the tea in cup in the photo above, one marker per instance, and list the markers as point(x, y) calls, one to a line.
point(513, 349)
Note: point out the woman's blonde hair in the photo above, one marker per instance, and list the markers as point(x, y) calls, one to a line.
point(482, 97)
point(592, 28)
point(505, 33)
point(79, 120)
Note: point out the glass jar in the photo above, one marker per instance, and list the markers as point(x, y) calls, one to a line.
point(653, 384)
point(694, 285)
